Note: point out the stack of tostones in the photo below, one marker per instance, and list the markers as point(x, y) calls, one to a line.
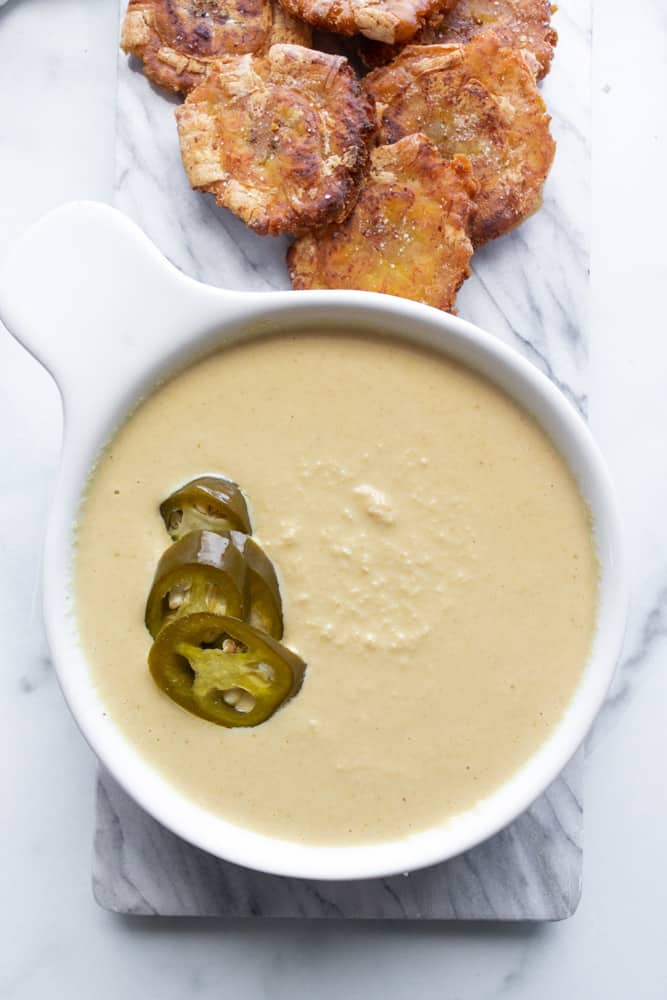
point(388, 183)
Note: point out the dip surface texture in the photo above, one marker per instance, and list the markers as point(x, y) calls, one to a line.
point(437, 567)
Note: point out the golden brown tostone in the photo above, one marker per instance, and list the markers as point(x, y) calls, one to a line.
point(387, 21)
point(518, 24)
point(281, 140)
point(407, 234)
point(479, 100)
point(177, 39)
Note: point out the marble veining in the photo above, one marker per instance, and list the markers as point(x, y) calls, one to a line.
point(646, 634)
point(531, 289)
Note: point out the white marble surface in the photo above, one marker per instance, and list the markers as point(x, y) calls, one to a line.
point(57, 77)
point(532, 290)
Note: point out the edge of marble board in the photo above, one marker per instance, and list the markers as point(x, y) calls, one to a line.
point(531, 870)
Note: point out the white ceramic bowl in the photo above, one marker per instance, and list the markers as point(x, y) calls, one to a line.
point(94, 301)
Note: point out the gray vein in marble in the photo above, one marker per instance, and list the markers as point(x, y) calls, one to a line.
point(533, 352)
point(563, 125)
point(28, 683)
point(572, 239)
point(513, 978)
point(567, 327)
point(566, 14)
point(651, 634)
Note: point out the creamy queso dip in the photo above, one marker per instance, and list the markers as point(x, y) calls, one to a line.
point(437, 568)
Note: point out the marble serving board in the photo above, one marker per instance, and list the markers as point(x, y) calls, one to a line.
point(530, 289)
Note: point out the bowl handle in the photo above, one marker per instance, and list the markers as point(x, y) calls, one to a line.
point(88, 294)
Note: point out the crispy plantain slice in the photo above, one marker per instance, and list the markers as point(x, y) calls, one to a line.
point(480, 100)
point(407, 234)
point(518, 24)
point(281, 140)
point(177, 39)
point(388, 21)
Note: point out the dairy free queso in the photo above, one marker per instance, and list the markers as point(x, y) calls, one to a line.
point(436, 567)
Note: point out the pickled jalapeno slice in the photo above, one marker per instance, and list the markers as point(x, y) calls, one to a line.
point(224, 670)
point(202, 572)
point(211, 503)
point(263, 605)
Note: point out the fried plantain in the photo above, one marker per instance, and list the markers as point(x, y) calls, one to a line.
point(480, 100)
point(177, 39)
point(407, 234)
point(388, 21)
point(281, 140)
point(518, 24)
